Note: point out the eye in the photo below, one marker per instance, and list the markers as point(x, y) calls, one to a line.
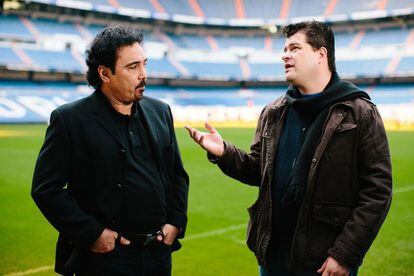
point(132, 67)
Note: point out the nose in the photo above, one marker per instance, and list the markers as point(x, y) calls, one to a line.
point(142, 76)
point(285, 56)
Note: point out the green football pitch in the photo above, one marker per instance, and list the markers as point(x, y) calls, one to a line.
point(214, 243)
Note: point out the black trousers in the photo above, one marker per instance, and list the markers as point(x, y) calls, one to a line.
point(153, 259)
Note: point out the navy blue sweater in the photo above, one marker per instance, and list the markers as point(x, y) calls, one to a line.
point(290, 143)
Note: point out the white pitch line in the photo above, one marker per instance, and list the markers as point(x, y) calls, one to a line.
point(31, 271)
point(239, 241)
point(215, 232)
point(404, 189)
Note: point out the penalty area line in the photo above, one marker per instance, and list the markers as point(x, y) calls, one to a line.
point(214, 232)
point(31, 271)
point(404, 189)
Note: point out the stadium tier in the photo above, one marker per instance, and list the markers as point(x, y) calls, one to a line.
point(59, 47)
point(33, 102)
point(243, 12)
point(40, 47)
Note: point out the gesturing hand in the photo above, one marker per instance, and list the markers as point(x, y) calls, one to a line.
point(106, 241)
point(210, 141)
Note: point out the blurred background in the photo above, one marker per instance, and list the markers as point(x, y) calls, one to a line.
point(211, 60)
point(217, 60)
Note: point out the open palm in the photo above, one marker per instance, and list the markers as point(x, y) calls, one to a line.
point(211, 141)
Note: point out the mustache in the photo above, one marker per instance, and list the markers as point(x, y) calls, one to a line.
point(141, 84)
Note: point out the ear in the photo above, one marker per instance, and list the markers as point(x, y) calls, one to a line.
point(104, 73)
point(323, 54)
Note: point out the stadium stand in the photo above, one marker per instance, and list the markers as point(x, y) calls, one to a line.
point(374, 44)
point(33, 101)
point(364, 66)
point(8, 57)
point(11, 27)
point(269, 10)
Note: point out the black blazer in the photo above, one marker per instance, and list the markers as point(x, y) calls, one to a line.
point(80, 166)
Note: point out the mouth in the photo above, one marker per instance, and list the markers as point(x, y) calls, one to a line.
point(140, 89)
point(288, 66)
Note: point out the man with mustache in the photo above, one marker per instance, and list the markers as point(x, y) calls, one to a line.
point(109, 176)
point(321, 161)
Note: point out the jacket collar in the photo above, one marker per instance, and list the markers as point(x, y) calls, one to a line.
point(149, 116)
point(276, 107)
point(104, 117)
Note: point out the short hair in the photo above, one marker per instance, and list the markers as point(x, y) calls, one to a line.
point(318, 35)
point(104, 48)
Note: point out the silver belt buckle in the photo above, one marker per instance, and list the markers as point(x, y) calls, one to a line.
point(149, 238)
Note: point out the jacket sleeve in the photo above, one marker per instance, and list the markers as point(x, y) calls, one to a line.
point(177, 211)
point(49, 188)
point(374, 199)
point(240, 165)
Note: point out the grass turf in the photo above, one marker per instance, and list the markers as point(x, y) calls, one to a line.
point(216, 202)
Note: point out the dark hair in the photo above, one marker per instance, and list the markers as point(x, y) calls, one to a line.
point(318, 35)
point(103, 49)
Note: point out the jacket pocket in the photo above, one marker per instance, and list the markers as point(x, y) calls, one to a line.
point(325, 226)
point(341, 145)
point(251, 235)
point(345, 127)
point(332, 214)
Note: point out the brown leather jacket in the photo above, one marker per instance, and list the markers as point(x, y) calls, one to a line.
point(348, 189)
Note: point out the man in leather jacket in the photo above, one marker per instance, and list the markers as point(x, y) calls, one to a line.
point(321, 160)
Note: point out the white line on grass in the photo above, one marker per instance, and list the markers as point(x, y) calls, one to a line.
point(239, 241)
point(31, 271)
point(404, 189)
point(215, 232)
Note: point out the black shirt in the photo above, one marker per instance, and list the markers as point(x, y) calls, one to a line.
point(144, 206)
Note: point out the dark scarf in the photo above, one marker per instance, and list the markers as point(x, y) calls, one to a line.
point(316, 107)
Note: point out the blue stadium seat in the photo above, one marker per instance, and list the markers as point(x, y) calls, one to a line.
point(55, 60)
point(137, 4)
point(267, 9)
point(177, 7)
point(160, 67)
point(310, 8)
point(406, 65)
point(7, 56)
point(350, 6)
point(210, 69)
point(240, 41)
point(12, 27)
point(94, 29)
point(343, 39)
point(267, 70)
point(218, 8)
point(371, 67)
point(394, 36)
point(51, 27)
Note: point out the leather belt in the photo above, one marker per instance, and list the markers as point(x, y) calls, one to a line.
point(141, 239)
